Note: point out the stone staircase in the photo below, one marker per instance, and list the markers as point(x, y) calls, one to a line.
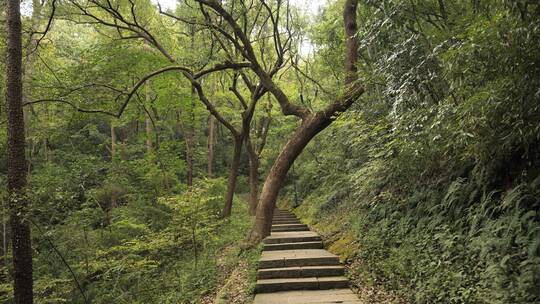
point(294, 267)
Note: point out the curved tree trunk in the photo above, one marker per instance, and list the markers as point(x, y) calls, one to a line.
point(233, 175)
point(20, 228)
point(312, 124)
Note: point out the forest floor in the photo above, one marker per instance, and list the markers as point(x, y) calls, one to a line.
point(235, 281)
point(237, 267)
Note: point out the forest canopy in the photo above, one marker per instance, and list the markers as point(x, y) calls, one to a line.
point(145, 145)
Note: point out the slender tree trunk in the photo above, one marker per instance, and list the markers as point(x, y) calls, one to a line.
point(185, 130)
point(311, 125)
point(210, 145)
point(113, 142)
point(46, 149)
point(442, 8)
point(4, 238)
point(148, 129)
point(351, 43)
point(190, 140)
point(31, 153)
point(233, 174)
point(253, 177)
point(148, 123)
point(4, 253)
point(113, 155)
point(16, 159)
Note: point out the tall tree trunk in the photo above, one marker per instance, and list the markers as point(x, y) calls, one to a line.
point(148, 129)
point(190, 140)
point(351, 43)
point(113, 142)
point(16, 159)
point(442, 9)
point(233, 174)
point(253, 177)
point(4, 252)
point(210, 144)
point(190, 136)
point(46, 149)
point(311, 125)
point(147, 121)
point(113, 155)
point(185, 131)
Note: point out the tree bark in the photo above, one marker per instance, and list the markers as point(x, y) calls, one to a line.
point(16, 159)
point(253, 177)
point(190, 135)
point(312, 124)
point(46, 149)
point(113, 142)
point(148, 129)
point(148, 122)
point(4, 253)
point(233, 175)
point(190, 140)
point(210, 145)
point(351, 43)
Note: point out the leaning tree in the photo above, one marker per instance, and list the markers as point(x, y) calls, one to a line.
point(311, 122)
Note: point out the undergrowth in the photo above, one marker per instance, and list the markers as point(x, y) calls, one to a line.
point(434, 243)
point(176, 250)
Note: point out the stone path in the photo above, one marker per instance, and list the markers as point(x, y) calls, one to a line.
point(295, 269)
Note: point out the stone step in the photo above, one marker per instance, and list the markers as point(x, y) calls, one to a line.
point(286, 229)
point(277, 218)
point(289, 229)
point(297, 257)
point(301, 272)
point(294, 267)
point(283, 213)
point(286, 223)
point(311, 283)
point(343, 296)
point(292, 237)
point(295, 225)
point(283, 222)
point(289, 225)
point(297, 245)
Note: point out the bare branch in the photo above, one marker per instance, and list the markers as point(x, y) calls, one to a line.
point(287, 107)
point(46, 100)
point(47, 27)
point(185, 71)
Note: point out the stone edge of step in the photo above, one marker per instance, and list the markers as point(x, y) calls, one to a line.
point(293, 246)
point(309, 283)
point(301, 272)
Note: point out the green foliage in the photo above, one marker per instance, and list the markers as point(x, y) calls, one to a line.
point(428, 186)
point(436, 170)
point(173, 246)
